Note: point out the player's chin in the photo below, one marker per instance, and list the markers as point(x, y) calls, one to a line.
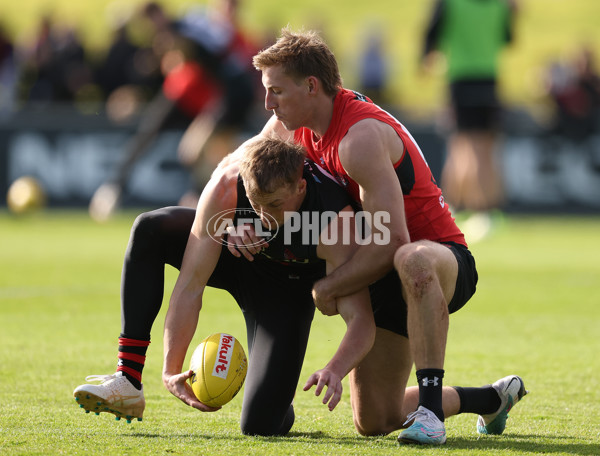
point(288, 125)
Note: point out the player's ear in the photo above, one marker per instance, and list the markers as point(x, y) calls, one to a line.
point(312, 84)
point(301, 185)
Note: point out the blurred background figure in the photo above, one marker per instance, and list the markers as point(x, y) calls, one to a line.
point(126, 65)
point(373, 71)
point(574, 89)
point(208, 85)
point(56, 67)
point(471, 35)
point(8, 74)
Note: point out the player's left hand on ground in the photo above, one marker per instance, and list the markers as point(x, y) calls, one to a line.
point(179, 387)
point(327, 305)
point(322, 378)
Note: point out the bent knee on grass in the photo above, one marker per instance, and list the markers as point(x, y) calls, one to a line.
point(378, 410)
point(375, 424)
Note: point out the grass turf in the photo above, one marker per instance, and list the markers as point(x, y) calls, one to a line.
point(535, 313)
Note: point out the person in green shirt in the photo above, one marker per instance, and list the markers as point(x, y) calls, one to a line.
point(471, 34)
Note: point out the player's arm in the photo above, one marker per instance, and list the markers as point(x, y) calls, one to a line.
point(367, 154)
point(355, 309)
point(433, 30)
point(200, 259)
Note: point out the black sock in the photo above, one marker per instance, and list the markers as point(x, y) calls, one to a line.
point(430, 390)
point(482, 401)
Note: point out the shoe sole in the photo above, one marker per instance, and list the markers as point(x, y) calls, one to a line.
point(405, 438)
point(409, 441)
point(92, 403)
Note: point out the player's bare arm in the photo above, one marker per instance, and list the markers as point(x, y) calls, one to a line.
point(368, 153)
point(199, 261)
point(356, 311)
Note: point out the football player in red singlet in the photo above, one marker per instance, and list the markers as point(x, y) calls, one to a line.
point(417, 277)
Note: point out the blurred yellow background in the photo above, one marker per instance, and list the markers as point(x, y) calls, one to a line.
point(547, 30)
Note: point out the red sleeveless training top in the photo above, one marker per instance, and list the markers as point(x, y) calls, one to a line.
point(427, 215)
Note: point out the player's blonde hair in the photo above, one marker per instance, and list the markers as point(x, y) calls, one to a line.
point(269, 164)
point(302, 54)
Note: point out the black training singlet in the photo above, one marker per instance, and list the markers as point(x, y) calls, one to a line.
point(296, 245)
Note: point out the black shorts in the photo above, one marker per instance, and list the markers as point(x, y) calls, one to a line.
point(389, 307)
point(475, 104)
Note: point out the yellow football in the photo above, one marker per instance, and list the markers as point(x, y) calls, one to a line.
point(25, 194)
point(219, 365)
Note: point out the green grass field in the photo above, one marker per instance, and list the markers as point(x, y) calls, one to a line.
point(535, 313)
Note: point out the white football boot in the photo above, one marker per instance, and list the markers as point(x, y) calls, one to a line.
point(115, 394)
point(511, 390)
point(427, 429)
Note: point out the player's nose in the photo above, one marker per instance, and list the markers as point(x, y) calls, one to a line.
point(270, 103)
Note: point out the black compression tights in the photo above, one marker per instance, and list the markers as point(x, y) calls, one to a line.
point(157, 238)
point(277, 337)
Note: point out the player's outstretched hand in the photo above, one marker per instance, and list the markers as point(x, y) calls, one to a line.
point(244, 241)
point(322, 378)
point(179, 387)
